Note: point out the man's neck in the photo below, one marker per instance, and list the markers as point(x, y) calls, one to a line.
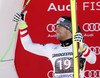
point(66, 42)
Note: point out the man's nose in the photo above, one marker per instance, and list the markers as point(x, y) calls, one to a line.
point(57, 29)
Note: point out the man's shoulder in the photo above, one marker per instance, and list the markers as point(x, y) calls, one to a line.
point(51, 45)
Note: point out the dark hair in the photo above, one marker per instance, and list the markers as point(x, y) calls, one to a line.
point(66, 17)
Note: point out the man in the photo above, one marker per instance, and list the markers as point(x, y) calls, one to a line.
point(60, 55)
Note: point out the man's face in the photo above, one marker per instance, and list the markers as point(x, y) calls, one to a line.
point(62, 33)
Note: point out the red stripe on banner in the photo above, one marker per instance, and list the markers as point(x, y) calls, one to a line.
point(87, 53)
point(24, 34)
point(21, 30)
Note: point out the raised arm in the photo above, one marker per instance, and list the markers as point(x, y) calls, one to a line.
point(25, 38)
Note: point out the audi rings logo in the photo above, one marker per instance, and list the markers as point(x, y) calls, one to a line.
point(92, 73)
point(91, 27)
point(50, 74)
point(51, 27)
point(95, 49)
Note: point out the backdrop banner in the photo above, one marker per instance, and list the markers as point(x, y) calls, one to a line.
point(41, 19)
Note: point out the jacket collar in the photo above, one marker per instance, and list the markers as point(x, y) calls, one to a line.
point(66, 42)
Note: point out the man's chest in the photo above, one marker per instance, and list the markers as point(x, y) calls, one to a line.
point(62, 60)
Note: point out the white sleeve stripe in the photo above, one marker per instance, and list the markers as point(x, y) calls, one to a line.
point(86, 51)
point(23, 32)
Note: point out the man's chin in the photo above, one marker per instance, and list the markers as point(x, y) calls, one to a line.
point(58, 38)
